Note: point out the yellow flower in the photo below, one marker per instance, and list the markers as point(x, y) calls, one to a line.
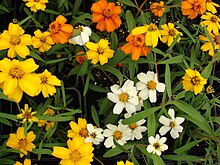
point(17, 77)
point(169, 33)
point(43, 41)
point(77, 153)
point(208, 46)
point(210, 89)
point(26, 162)
point(21, 142)
point(211, 21)
point(99, 52)
point(79, 129)
point(210, 6)
point(126, 163)
point(36, 4)
point(48, 83)
point(152, 34)
point(193, 81)
point(15, 41)
point(27, 115)
point(48, 123)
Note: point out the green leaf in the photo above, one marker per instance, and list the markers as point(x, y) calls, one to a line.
point(122, 148)
point(76, 6)
point(130, 21)
point(158, 51)
point(63, 94)
point(83, 69)
point(168, 80)
point(56, 61)
point(42, 151)
point(185, 30)
point(157, 160)
point(207, 71)
point(4, 8)
point(86, 87)
point(151, 125)
point(183, 158)
point(51, 12)
point(134, 160)
point(105, 105)
point(145, 18)
point(172, 60)
point(55, 118)
point(5, 121)
point(115, 151)
point(25, 20)
point(6, 161)
point(186, 146)
point(113, 40)
point(36, 56)
point(8, 116)
point(128, 3)
point(97, 88)
point(95, 116)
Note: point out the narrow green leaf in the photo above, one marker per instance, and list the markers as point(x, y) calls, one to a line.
point(207, 71)
point(183, 158)
point(86, 87)
point(36, 56)
point(113, 40)
point(63, 94)
point(5, 121)
point(98, 88)
point(128, 3)
point(115, 151)
point(51, 12)
point(209, 38)
point(157, 160)
point(185, 30)
point(105, 105)
point(218, 151)
point(83, 69)
point(168, 80)
point(186, 146)
point(76, 6)
point(56, 61)
point(122, 148)
point(42, 151)
point(8, 116)
point(173, 60)
point(95, 116)
point(130, 21)
point(6, 161)
point(25, 20)
point(134, 160)
point(4, 8)
point(55, 118)
point(158, 51)
point(151, 125)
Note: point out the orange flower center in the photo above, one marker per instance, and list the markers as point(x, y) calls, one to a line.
point(195, 80)
point(133, 125)
point(27, 115)
point(108, 12)
point(117, 135)
point(216, 39)
point(16, 72)
point(172, 32)
point(15, 40)
point(36, 0)
point(44, 79)
point(55, 27)
point(156, 145)
point(151, 85)
point(100, 51)
point(172, 124)
point(214, 19)
point(75, 156)
point(22, 143)
point(83, 132)
point(196, 7)
point(152, 28)
point(138, 40)
point(123, 97)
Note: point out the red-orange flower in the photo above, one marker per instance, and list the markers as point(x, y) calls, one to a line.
point(157, 8)
point(136, 46)
point(60, 32)
point(106, 15)
point(193, 7)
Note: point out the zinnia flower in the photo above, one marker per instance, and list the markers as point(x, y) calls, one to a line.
point(77, 153)
point(49, 124)
point(126, 163)
point(136, 46)
point(42, 41)
point(21, 142)
point(210, 6)
point(99, 52)
point(17, 77)
point(106, 15)
point(120, 133)
point(208, 45)
point(80, 35)
point(169, 33)
point(193, 7)
point(157, 144)
point(124, 97)
point(95, 135)
point(152, 34)
point(172, 124)
point(27, 115)
point(26, 162)
point(36, 4)
point(148, 85)
point(48, 83)
point(157, 8)
point(211, 21)
point(60, 32)
point(79, 129)
point(193, 81)
point(15, 41)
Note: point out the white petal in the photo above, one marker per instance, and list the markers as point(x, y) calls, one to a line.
point(178, 128)
point(164, 120)
point(162, 140)
point(116, 89)
point(140, 85)
point(111, 127)
point(150, 148)
point(152, 96)
point(132, 92)
point(113, 97)
point(109, 142)
point(90, 128)
point(171, 112)
point(179, 120)
point(174, 133)
point(87, 30)
point(88, 139)
point(140, 122)
point(107, 133)
point(137, 135)
point(127, 85)
point(158, 152)
point(143, 77)
point(151, 140)
point(134, 100)
point(119, 106)
point(151, 75)
point(130, 108)
point(163, 130)
point(163, 147)
point(160, 87)
point(144, 94)
point(84, 37)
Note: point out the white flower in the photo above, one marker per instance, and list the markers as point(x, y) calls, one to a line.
point(95, 135)
point(136, 128)
point(124, 97)
point(83, 35)
point(120, 133)
point(172, 124)
point(148, 85)
point(157, 144)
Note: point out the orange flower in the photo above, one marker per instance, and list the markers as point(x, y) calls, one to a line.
point(60, 32)
point(193, 7)
point(80, 57)
point(136, 46)
point(157, 8)
point(106, 14)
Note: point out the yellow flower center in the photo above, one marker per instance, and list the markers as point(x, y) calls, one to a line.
point(108, 12)
point(117, 135)
point(93, 135)
point(75, 156)
point(15, 40)
point(156, 145)
point(16, 72)
point(44, 79)
point(42, 39)
point(133, 125)
point(214, 19)
point(172, 124)
point(172, 32)
point(22, 143)
point(83, 132)
point(123, 97)
point(195, 80)
point(151, 85)
point(138, 40)
point(152, 28)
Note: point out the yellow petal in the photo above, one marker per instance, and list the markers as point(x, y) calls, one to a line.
point(12, 52)
point(22, 50)
point(10, 86)
point(5, 65)
point(103, 44)
point(139, 30)
point(4, 44)
point(20, 133)
point(92, 46)
point(26, 39)
point(15, 29)
point(16, 95)
point(29, 65)
point(30, 136)
point(61, 152)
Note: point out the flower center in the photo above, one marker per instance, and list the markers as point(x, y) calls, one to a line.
point(117, 135)
point(42, 39)
point(75, 156)
point(123, 97)
point(133, 126)
point(55, 27)
point(138, 40)
point(15, 40)
point(156, 145)
point(214, 19)
point(159, 7)
point(152, 28)
point(36, 0)
point(172, 124)
point(44, 79)
point(172, 32)
point(16, 72)
point(108, 12)
point(27, 115)
point(195, 80)
point(216, 39)
point(93, 135)
point(100, 51)
point(22, 143)
point(151, 85)
point(83, 132)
